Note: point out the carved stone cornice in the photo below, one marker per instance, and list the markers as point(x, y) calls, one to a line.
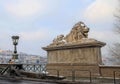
point(76, 45)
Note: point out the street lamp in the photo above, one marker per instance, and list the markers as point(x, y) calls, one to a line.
point(15, 42)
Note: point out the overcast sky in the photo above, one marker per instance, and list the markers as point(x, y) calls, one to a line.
point(38, 22)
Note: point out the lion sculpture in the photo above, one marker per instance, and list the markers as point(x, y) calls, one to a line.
point(79, 31)
point(59, 40)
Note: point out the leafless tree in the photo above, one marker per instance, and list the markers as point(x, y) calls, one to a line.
point(115, 48)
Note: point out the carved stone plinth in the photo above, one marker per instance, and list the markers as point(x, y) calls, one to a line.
point(82, 56)
point(83, 53)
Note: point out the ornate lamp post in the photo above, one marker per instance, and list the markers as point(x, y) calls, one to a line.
point(15, 42)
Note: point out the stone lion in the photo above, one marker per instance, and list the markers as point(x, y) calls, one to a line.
point(79, 31)
point(59, 40)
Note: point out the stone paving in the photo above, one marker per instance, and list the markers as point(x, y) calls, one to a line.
point(22, 82)
point(45, 81)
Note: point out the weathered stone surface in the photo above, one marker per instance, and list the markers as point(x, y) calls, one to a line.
point(80, 70)
point(110, 71)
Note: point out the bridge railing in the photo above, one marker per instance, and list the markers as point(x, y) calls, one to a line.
point(34, 67)
point(38, 68)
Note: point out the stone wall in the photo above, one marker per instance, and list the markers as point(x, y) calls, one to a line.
point(80, 70)
point(110, 71)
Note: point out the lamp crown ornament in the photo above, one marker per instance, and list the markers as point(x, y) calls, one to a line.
point(15, 40)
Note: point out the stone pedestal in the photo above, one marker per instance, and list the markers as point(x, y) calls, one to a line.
point(78, 56)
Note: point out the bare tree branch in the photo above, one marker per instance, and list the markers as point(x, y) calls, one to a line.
point(115, 48)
